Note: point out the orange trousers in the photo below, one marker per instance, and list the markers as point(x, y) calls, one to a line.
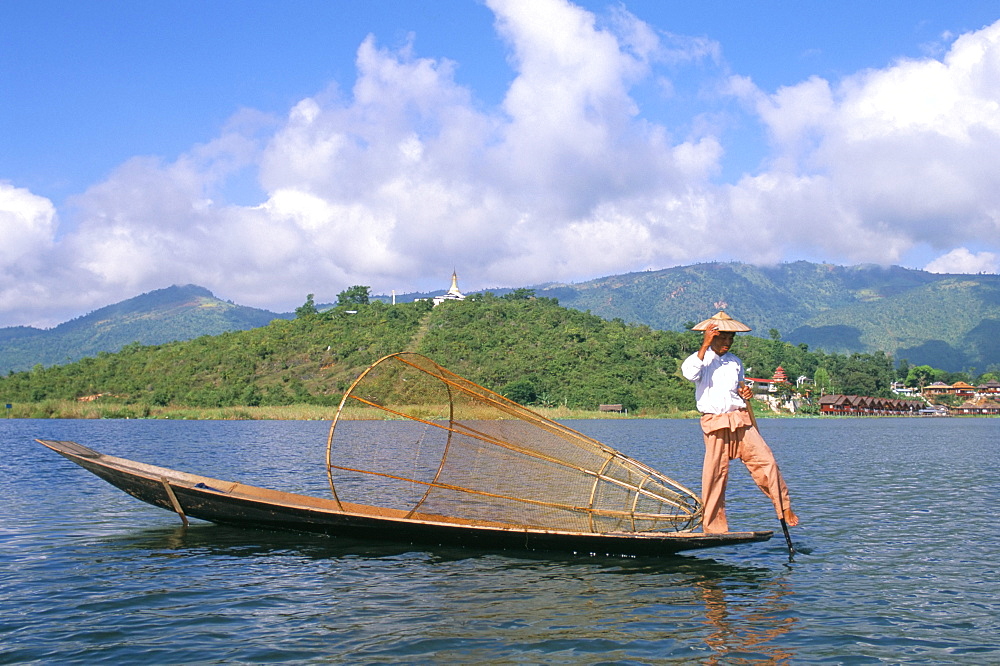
point(727, 437)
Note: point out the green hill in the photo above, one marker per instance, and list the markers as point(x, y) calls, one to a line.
point(164, 315)
point(562, 355)
point(531, 349)
point(950, 322)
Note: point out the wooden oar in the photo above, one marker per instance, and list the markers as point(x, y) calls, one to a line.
point(784, 525)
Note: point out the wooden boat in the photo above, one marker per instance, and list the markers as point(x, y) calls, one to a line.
point(230, 503)
point(468, 467)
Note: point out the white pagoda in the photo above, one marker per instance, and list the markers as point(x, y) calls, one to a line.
point(453, 293)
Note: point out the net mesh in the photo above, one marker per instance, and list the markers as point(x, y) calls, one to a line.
point(470, 454)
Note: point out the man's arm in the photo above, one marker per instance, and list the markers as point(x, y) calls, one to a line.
point(691, 368)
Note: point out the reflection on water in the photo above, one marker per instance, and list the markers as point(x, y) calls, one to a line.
point(743, 611)
point(89, 574)
point(747, 623)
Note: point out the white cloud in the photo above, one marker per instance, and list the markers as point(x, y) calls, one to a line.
point(961, 260)
point(27, 236)
point(27, 227)
point(887, 160)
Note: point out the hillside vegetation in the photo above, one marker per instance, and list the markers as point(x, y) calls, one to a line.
point(950, 322)
point(531, 349)
point(164, 315)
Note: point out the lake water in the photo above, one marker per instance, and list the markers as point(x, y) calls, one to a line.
point(897, 563)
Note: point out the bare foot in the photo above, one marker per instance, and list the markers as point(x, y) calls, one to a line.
point(790, 518)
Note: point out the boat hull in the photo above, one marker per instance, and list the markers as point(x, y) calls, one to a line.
point(229, 503)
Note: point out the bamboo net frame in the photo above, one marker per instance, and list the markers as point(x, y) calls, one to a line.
point(471, 454)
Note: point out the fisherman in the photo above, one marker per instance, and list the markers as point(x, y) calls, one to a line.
point(729, 428)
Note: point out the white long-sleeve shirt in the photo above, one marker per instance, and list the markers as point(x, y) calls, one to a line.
point(715, 381)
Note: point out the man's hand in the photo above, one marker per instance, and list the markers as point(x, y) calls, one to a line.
point(711, 332)
point(744, 392)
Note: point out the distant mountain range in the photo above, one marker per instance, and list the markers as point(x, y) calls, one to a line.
point(950, 322)
point(164, 315)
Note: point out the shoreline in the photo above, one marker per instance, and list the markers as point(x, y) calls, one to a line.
point(67, 409)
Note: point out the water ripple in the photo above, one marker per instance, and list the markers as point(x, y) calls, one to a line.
point(897, 562)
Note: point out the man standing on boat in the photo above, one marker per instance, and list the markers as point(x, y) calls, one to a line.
point(729, 427)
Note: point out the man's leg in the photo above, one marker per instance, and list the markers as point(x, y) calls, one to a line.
point(714, 475)
point(759, 459)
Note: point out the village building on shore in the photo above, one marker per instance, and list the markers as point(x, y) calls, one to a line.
point(864, 405)
point(982, 400)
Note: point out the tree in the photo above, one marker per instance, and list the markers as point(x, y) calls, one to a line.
point(822, 379)
point(521, 391)
point(866, 374)
point(520, 294)
point(307, 308)
point(356, 295)
point(919, 375)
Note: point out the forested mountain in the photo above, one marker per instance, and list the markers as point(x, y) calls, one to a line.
point(950, 322)
point(531, 349)
point(174, 313)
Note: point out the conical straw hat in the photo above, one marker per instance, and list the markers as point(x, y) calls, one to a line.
point(723, 322)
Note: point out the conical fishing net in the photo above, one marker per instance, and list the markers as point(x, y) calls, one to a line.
point(467, 453)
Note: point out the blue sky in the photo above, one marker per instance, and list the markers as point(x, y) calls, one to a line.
point(266, 150)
